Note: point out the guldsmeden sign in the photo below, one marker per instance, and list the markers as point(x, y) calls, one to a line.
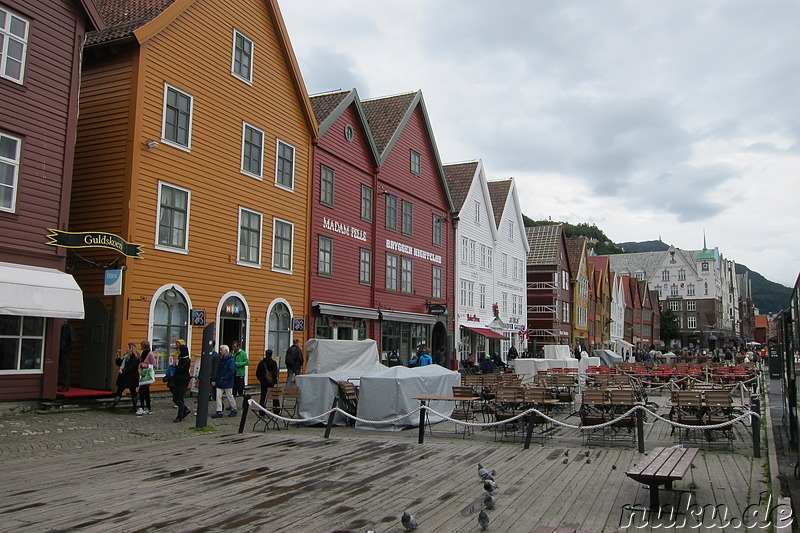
point(93, 239)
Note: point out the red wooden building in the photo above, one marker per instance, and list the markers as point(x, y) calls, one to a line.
point(381, 230)
point(40, 50)
point(549, 295)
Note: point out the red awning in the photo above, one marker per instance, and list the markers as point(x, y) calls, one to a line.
point(486, 332)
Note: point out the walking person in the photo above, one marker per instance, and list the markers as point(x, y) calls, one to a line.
point(148, 359)
point(242, 361)
point(224, 381)
point(267, 374)
point(181, 382)
point(128, 377)
point(294, 361)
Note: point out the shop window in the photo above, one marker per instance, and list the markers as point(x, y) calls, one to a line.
point(170, 323)
point(21, 342)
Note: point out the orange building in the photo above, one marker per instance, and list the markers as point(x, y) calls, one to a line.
point(194, 142)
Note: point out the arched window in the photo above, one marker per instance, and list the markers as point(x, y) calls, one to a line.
point(170, 323)
point(279, 337)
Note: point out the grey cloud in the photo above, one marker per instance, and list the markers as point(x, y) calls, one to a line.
point(328, 70)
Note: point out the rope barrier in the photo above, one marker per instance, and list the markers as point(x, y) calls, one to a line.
point(253, 404)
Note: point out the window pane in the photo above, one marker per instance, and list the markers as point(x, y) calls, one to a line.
point(8, 147)
point(31, 354)
point(8, 353)
point(10, 325)
point(33, 326)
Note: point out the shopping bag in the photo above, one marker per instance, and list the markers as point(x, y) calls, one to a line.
point(147, 376)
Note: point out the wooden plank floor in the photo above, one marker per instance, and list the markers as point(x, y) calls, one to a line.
point(356, 481)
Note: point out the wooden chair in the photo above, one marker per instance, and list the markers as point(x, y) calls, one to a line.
point(464, 409)
point(291, 399)
point(273, 395)
point(348, 398)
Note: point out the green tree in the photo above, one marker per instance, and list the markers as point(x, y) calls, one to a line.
point(670, 326)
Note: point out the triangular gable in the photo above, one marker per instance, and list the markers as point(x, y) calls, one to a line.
point(511, 195)
point(460, 177)
point(156, 15)
point(329, 107)
point(388, 117)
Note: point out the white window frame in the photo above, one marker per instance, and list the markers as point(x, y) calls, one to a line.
point(489, 259)
point(505, 303)
point(675, 305)
point(691, 322)
point(673, 290)
point(249, 78)
point(5, 37)
point(325, 268)
point(20, 336)
point(281, 268)
point(15, 163)
point(483, 255)
point(504, 263)
point(482, 296)
point(472, 252)
point(691, 305)
point(167, 247)
point(477, 212)
point(260, 174)
point(174, 143)
point(239, 260)
point(690, 289)
point(278, 159)
point(464, 249)
point(327, 198)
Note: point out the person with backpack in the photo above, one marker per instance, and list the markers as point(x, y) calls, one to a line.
point(267, 374)
point(294, 361)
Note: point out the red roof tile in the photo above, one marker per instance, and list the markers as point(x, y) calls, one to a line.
point(384, 116)
point(122, 17)
point(459, 179)
point(498, 191)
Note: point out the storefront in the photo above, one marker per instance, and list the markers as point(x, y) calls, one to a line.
point(34, 303)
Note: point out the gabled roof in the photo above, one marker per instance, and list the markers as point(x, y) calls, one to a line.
point(498, 191)
point(388, 116)
point(122, 17)
point(575, 247)
point(459, 180)
point(544, 242)
point(329, 107)
point(142, 19)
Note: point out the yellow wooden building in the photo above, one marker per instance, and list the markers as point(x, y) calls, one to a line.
point(194, 142)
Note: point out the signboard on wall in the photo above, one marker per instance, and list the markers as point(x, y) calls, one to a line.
point(298, 324)
point(113, 283)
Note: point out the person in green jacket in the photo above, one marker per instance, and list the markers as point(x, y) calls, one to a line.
point(240, 356)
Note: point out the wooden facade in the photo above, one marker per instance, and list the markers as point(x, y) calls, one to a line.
point(549, 291)
point(577, 250)
point(37, 125)
point(130, 166)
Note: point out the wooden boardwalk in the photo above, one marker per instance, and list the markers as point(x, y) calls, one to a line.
point(356, 481)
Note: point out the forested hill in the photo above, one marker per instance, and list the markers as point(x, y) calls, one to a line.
point(769, 297)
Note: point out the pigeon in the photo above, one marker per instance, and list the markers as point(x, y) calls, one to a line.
point(483, 520)
point(613, 467)
point(566, 453)
point(588, 461)
point(489, 485)
point(586, 453)
point(489, 501)
point(485, 474)
point(565, 461)
point(408, 521)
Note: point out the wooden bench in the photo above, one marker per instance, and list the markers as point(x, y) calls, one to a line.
point(662, 467)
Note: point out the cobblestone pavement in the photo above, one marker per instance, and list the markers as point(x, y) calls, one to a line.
point(31, 434)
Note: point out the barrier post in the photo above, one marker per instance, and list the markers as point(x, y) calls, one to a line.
point(640, 429)
point(529, 433)
point(755, 424)
point(421, 422)
point(245, 408)
point(329, 425)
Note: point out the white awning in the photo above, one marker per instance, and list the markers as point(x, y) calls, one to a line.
point(346, 310)
point(624, 343)
point(34, 291)
point(401, 316)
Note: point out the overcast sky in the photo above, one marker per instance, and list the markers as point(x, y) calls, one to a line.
point(647, 118)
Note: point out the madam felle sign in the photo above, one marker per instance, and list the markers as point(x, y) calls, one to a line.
point(93, 239)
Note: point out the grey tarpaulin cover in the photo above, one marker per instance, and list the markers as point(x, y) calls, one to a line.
point(384, 393)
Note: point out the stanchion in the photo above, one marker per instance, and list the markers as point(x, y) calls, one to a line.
point(245, 408)
point(755, 424)
point(529, 433)
point(640, 429)
point(422, 422)
point(329, 425)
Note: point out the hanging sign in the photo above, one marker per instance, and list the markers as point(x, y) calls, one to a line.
point(93, 239)
point(113, 283)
